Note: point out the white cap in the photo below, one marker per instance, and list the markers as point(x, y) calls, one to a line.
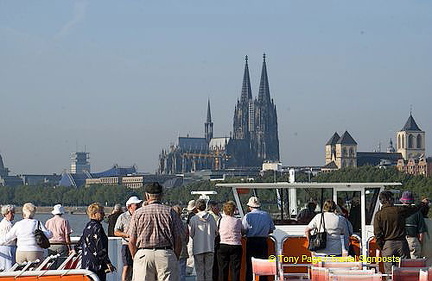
point(133, 200)
point(58, 210)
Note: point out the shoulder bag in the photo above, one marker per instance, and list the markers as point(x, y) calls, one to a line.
point(41, 238)
point(318, 240)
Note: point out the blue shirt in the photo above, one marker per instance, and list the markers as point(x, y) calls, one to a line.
point(257, 223)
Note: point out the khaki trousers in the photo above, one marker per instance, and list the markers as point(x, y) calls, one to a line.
point(23, 256)
point(152, 265)
point(394, 248)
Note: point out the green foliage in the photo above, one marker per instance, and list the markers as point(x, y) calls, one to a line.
point(110, 195)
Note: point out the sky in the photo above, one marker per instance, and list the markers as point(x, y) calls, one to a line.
point(123, 79)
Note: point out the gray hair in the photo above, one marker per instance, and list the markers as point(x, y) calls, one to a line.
point(28, 210)
point(6, 209)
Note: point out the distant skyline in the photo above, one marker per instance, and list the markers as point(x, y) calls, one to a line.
point(122, 80)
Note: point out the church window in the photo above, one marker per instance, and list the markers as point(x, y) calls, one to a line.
point(399, 142)
point(410, 141)
point(351, 152)
point(344, 152)
point(419, 141)
point(403, 142)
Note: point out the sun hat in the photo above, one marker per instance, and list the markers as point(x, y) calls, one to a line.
point(58, 210)
point(407, 197)
point(191, 205)
point(254, 202)
point(133, 200)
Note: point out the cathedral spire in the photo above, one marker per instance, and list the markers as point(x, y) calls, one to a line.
point(208, 111)
point(208, 125)
point(246, 93)
point(264, 89)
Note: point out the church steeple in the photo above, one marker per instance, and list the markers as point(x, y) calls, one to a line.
point(208, 124)
point(246, 93)
point(264, 89)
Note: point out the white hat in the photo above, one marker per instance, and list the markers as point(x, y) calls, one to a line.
point(191, 205)
point(133, 200)
point(254, 202)
point(58, 210)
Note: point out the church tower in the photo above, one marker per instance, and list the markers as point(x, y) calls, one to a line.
point(208, 125)
point(346, 151)
point(411, 140)
point(266, 139)
point(330, 148)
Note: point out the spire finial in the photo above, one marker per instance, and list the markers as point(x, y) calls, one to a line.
point(410, 109)
point(246, 58)
point(264, 56)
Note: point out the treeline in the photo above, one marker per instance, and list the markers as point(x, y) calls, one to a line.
point(110, 195)
point(67, 196)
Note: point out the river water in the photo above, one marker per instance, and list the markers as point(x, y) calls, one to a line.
point(76, 221)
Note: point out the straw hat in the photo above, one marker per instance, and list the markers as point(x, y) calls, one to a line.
point(254, 202)
point(191, 205)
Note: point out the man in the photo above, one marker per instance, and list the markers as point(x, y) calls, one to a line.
point(112, 219)
point(415, 227)
point(257, 225)
point(120, 230)
point(213, 209)
point(203, 230)
point(389, 229)
point(155, 233)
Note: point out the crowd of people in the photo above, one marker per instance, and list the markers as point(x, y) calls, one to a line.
point(158, 244)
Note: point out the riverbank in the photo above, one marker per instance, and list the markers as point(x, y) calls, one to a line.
point(79, 210)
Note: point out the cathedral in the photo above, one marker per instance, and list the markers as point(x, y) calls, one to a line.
point(254, 138)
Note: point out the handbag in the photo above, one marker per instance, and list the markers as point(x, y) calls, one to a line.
point(318, 240)
point(41, 238)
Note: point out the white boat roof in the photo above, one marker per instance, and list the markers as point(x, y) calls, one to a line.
point(276, 185)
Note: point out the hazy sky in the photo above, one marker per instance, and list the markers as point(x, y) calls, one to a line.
point(123, 79)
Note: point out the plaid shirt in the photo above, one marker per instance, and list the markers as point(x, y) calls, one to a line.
point(155, 225)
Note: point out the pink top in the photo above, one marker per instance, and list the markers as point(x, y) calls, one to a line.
point(230, 230)
point(59, 227)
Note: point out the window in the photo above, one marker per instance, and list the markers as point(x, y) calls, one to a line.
point(410, 141)
point(419, 141)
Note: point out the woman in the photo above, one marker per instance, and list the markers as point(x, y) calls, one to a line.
point(335, 226)
point(23, 231)
point(230, 248)
point(7, 252)
point(94, 244)
point(59, 226)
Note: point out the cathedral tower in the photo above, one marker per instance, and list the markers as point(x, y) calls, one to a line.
point(266, 139)
point(244, 111)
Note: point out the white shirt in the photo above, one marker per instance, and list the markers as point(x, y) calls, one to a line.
point(335, 227)
point(23, 232)
point(5, 226)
